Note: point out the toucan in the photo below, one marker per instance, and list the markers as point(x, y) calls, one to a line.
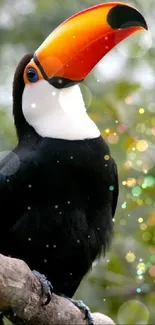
point(59, 186)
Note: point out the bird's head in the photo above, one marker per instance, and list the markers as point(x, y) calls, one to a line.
point(50, 76)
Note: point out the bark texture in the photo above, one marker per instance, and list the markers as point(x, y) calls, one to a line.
point(21, 299)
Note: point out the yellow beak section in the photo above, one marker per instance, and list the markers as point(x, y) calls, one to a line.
point(73, 49)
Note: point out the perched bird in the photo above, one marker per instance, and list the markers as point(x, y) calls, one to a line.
point(58, 190)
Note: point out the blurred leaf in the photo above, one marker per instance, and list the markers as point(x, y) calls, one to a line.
point(125, 88)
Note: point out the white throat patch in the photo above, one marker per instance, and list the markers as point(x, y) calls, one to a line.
point(57, 113)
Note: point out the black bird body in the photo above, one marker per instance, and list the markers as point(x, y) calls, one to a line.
point(58, 207)
point(56, 198)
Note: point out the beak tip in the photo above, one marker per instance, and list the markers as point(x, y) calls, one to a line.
point(123, 16)
point(146, 26)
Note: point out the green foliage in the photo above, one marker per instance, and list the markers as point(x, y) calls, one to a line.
point(124, 88)
point(123, 108)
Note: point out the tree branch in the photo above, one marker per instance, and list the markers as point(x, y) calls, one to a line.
point(21, 302)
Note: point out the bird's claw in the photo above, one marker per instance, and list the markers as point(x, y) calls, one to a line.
point(46, 285)
point(89, 316)
point(85, 309)
point(79, 304)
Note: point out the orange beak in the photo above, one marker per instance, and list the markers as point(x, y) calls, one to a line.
point(72, 50)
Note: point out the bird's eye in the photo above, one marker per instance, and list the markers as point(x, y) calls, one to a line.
point(32, 75)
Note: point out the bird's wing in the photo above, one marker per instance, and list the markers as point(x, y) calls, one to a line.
point(103, 195)
point(103, 190)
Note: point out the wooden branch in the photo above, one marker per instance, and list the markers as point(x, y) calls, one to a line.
point(21, 302)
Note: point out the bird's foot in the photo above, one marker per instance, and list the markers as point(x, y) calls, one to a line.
point(85, 309)
point(79, 304)
point(47, 287)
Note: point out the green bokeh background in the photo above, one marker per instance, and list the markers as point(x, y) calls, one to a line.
point(120, 98)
